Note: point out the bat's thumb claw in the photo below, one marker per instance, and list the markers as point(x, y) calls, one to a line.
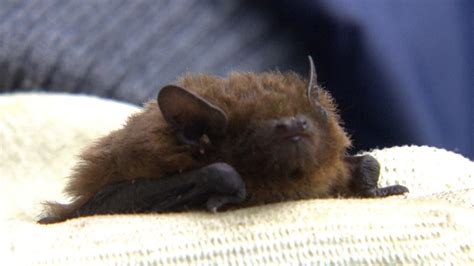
point(217, 201)
point(213, 203)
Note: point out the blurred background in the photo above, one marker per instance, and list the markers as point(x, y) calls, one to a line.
point(402, 71)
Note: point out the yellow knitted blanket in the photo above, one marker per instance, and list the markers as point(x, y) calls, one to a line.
point(41, 135)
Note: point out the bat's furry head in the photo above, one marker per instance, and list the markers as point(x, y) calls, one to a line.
point(267, 125)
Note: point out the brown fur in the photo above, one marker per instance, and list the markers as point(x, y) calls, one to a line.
point(147, 146)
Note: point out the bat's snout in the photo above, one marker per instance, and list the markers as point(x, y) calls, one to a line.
point(292, 128)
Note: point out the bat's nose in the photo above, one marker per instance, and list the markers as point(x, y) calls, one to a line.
point(291, 125)
point(302, 123)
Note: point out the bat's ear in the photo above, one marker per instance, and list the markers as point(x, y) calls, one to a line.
point(313, 89)
point(191, 115)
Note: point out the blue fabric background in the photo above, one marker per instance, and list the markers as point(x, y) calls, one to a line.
point(401, 71)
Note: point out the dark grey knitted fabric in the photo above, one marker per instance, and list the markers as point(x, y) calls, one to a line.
point(128, 49)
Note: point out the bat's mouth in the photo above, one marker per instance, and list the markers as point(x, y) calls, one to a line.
point(295, 137)
point(286, 140)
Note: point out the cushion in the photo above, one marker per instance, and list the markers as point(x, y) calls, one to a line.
point(42, 134)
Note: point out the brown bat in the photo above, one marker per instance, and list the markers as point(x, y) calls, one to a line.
point(220, 143)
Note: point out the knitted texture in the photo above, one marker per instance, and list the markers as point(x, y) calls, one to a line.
point(326, 231)
point(42, 133)
point(128, 49)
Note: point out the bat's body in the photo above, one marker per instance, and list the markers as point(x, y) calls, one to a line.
point(246, 140)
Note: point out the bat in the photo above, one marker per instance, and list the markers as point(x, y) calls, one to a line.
point(215, 143)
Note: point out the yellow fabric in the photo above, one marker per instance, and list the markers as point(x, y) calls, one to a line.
point(40, 135)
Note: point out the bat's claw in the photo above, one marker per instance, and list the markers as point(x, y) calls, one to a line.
point(50, 220)
point(397, 190)
point(387, 191)
point(214, 203)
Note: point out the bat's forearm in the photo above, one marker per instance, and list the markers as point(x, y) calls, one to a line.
point(128, 197)
point(214, 185)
